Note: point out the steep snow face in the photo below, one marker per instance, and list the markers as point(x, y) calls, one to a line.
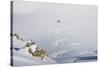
point(73, 53)
point(23, 57)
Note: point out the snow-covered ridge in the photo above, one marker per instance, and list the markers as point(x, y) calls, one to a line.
point(21, 56)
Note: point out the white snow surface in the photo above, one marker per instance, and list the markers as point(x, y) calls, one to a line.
point(22, 57)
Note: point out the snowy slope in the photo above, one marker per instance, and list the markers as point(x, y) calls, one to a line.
point(22, 57)
point(74, 56)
